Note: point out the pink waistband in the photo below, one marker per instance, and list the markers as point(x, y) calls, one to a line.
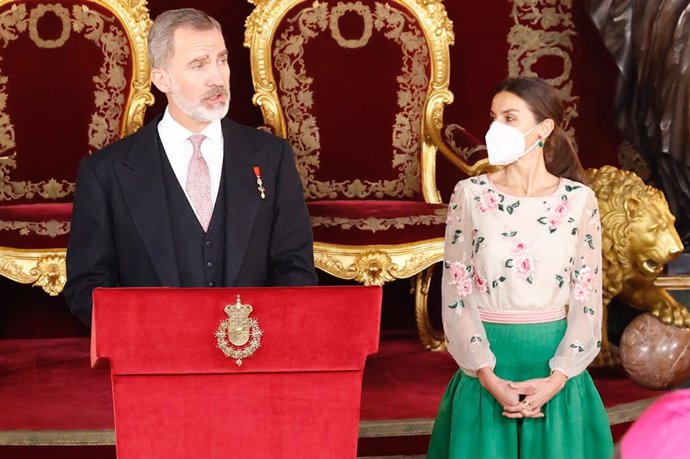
point(523, 317)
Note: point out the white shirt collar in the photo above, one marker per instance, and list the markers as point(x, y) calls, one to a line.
point(176, 134)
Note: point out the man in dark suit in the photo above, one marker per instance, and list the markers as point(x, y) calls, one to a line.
point(192, 199)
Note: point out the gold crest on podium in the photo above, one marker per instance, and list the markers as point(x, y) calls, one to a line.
point(238, 336)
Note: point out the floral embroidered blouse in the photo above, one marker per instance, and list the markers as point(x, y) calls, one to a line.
point(506, 252)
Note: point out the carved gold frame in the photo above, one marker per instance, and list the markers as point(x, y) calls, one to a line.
point(45, 268)
point(374, 264)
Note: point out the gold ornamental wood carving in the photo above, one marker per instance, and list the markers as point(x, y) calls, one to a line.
point(114, 115)
point(424, 32)
point(239, 336)
point(377, 264)
point(44, 268)
point(638, 239)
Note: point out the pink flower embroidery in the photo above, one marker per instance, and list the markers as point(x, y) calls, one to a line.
point(487, 202)
point(586, 277)
point(581, 293)
point(519, 247)
point(553, 222)
point(480, 282)
point(562, 209)
point(458, 272)
point(524, 266)
point(465, 288)
point(490, 200)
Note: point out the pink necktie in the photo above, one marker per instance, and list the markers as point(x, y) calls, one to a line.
point(199, 183)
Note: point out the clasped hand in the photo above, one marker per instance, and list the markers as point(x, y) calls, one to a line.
point(536, 392)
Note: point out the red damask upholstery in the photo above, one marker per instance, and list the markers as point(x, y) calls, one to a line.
point(376, 222)
point(67, 70)
point(352, 81)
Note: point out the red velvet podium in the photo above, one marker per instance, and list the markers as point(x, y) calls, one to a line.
point(177, 395)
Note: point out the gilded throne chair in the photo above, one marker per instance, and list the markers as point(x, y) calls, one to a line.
point(74, 77)
point(359, 88)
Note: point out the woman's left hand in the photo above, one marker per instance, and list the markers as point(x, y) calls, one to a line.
point(544, 390)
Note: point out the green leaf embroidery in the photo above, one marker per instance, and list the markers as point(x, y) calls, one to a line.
point(542, 220)
point(560, 280)
point(529, 279)
point(571, 188)
point(456, 236)
point(509, 263)
point(551, 230)
point(500, 207)
point(579, 348)
point(446, 264)
point(495, 283)
point(478, 244)
point(590, 241)
point(574, 231)
point(509, 234)
point(477, 339)
point(588, 310)
point(455, 305)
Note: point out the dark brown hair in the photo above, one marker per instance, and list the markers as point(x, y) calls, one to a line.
point(544, 103)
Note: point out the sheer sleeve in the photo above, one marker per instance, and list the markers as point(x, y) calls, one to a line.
point(465, 336)
point(582, 340)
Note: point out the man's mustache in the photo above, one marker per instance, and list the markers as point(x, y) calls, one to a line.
point(215, 91)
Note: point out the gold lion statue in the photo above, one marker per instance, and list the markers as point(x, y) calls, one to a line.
point(638, 239)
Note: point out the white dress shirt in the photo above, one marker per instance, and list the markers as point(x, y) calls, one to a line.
point(178, 148)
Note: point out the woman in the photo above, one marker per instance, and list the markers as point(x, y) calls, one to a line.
point(522, 301)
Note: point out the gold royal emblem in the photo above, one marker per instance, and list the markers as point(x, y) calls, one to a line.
point(239, 336)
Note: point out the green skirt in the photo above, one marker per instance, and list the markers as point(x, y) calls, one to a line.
point(469, 423)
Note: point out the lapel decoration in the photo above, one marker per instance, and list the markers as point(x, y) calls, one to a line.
point(259, 182)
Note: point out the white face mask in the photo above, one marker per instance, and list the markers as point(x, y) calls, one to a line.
point(506, 144)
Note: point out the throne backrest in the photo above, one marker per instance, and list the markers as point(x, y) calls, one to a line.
point(73, 78)
point(354, 85)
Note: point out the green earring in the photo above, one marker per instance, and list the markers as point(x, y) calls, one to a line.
point(540, 143)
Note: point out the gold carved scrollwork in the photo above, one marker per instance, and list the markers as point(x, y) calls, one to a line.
point(50, 274)
point(380, 224)
point(110, 84)
point(377, 264)
point(543, 28)
point(44, 268)
point(373, 268)
point(422, 30)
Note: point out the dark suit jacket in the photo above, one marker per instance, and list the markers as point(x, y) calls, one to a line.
point(121, 234)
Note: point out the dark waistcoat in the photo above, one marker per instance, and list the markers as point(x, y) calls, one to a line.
point(199, 255)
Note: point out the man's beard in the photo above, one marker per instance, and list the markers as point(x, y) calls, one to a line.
point(196, 109)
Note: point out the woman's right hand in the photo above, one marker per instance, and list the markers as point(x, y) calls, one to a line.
point(508, 397)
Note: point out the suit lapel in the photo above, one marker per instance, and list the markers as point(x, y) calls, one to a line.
point(141, 181)
point(241, 198)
